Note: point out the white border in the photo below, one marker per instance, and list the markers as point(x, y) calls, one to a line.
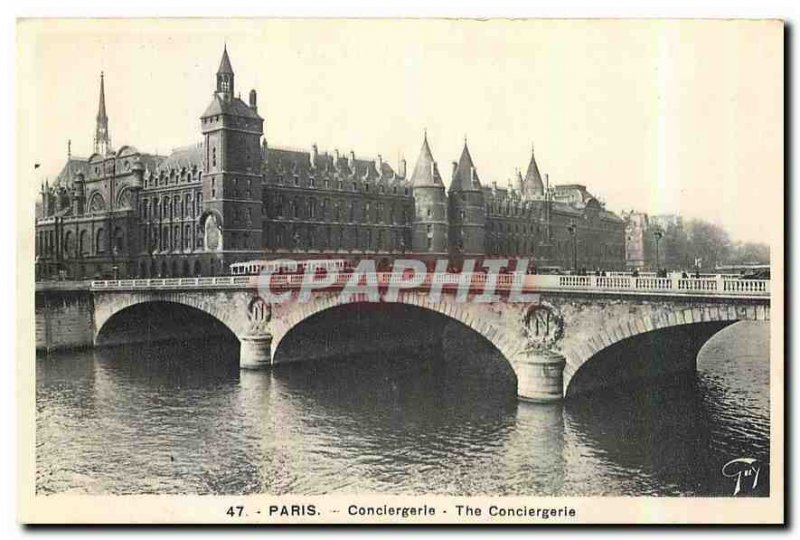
point(785, 9)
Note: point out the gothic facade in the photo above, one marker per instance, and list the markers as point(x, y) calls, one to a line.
point(232, 197)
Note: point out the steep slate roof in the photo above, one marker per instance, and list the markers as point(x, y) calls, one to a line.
point(69, 173)
point(185, 156)
point(533, 180)
point(225, 63)
point(292, 161)
point(235, 107)
point(465, 177)
point(426, 173)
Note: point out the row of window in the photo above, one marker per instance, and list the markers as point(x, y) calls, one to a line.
point(171, 238)
point(339, 184)
point(172, 207)
point(335, 238)
point(351, 211)
point(81, 244)
point(164, 178)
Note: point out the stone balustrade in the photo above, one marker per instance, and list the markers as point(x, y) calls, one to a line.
point(719, 286)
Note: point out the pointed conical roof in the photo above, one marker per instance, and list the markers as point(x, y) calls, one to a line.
point(533, 180)
point(465, 177)
point(225, 63)
point(101, 109)
point(425, 172)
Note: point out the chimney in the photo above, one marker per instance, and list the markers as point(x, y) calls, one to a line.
point(402, 168)
point(314, 155)
point(455, 166)
point(253, 100)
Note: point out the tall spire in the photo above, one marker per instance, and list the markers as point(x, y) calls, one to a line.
point(102, 139)
point(225, 63)
point(225, 76)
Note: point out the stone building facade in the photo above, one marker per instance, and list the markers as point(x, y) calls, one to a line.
point(232, 197)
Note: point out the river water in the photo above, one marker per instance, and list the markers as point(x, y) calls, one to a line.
point(175, 418)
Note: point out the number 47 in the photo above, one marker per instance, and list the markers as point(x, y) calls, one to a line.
point(235, 511)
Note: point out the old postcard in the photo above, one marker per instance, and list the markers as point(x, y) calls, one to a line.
point(400, 271)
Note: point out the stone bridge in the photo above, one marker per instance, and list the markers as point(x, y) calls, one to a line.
point(567, 335)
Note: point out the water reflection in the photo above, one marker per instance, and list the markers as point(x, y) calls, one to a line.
point(184, 419)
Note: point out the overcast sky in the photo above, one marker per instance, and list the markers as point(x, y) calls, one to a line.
point(663, 117)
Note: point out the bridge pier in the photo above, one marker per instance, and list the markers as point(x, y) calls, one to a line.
point(255, 352)
point(540, 376)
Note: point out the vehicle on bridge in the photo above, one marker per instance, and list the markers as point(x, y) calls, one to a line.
point(282, 266)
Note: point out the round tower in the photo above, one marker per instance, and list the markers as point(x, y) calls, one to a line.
point(429, 228)
point(467, 209)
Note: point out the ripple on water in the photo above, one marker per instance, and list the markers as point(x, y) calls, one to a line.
point(185, 420)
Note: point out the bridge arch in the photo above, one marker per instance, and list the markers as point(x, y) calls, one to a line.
point(479, 320)
point(107, 306)
point(156, 322)
point(391, 330)
point(650, 345)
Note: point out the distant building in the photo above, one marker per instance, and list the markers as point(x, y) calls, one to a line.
point(636, 225)
point(665, 221)
point(233, 197)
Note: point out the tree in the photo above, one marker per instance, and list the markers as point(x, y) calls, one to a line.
point(750, 253)
point(709, 243)
point(676, 248)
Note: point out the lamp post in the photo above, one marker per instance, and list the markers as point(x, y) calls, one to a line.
point(573, 231)
point(657, 234)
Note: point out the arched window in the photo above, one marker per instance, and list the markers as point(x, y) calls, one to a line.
point(99, 242)
point(119, 240)
point(68, 244)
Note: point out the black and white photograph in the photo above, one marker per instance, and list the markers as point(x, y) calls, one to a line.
point(405, 271)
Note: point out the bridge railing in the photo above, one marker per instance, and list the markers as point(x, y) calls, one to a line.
point(717, 286)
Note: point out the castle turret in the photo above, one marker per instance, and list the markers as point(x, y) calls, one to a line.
point(225, 77)
point(429, 231)
point(467, 218)
point(533, 188)
point(79, 195)
point(232, 172)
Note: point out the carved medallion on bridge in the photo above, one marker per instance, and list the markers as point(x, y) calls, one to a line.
point(259, 313)
point(543, 326)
